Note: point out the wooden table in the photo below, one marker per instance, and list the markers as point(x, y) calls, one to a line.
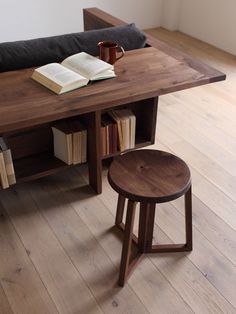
point(27, 109)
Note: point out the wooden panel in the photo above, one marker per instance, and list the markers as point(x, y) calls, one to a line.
point(96, 19)
point(31, 141)
point(37, 166)
point(142, 73)
point(139, 143)
point(93, 121)
point(146, 116)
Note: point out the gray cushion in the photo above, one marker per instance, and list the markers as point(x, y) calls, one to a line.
point(36, 52)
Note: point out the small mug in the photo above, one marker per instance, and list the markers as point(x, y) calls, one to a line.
point(108, 51)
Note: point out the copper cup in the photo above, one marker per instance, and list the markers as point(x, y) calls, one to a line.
point(109, 51)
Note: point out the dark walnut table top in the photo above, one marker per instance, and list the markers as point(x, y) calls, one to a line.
point(141, 74)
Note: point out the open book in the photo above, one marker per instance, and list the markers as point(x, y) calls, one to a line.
point(74, 72)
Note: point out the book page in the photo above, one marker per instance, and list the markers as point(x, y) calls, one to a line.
point(86, 65)
point(59, 74)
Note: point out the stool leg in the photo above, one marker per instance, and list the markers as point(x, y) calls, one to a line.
point(146, 226)
point(120, 209)
point(126, 249)
point(187, 246)
point(142, 229)
point(188, 219)
point(151, 223)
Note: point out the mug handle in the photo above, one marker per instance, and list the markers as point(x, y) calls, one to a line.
point(122, 52)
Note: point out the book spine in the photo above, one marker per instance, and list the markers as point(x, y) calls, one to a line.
point(125, 132)
point(84, 146)
point(132, 130)
point(120, 137)
point(76, 147)
point(9, 167)
point(115, 136)
point(69, 148)
point(79, 152)
point(3, 173)
point(110, 137)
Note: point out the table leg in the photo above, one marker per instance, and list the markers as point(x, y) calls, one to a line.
point(94, 151)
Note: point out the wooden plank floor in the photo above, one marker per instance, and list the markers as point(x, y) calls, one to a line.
point(60, 254)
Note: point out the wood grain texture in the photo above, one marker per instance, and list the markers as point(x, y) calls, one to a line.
point(4, 304)
point(95, 18)
point(62, 280)
point(94, 151)
point(81, 245)
point(20, 281)
point(37, 166)
point(26, 103)
point(149, 176)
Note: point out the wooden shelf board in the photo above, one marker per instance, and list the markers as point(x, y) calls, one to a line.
point(37, 166)
point(139, 144)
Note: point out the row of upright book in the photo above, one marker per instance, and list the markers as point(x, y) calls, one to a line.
point(7, 172)
point(117, 134)
point(70, 142)
point(117, 131)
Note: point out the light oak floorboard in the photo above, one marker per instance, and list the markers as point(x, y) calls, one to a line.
point(58, 273)
point(194, 281)
point(19, 279)
point(5, 307)
point(81, 245)
point(212, 171)
point(99, 220)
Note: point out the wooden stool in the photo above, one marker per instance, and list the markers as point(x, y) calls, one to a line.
point(148, 177)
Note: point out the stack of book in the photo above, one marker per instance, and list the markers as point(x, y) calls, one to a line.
point(118, 131)
point(126, 125)
point(70, 142)
point(7, 173)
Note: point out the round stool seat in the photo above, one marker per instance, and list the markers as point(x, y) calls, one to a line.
point(149, 176)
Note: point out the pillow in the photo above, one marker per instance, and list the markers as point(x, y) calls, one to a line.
point(35, 52)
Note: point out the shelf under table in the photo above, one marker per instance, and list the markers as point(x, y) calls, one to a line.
point(37, 166)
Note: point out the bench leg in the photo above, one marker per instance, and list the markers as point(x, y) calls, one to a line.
point(188, 220)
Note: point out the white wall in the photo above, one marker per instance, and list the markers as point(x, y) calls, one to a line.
point(24, 19)
point(171, 14)
point(213, 21)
